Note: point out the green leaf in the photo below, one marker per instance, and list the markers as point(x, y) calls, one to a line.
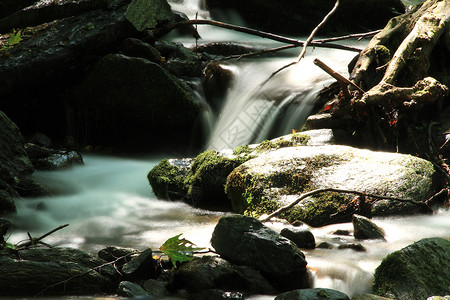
point(15, 38)
point(178, 250)
point(9, 246)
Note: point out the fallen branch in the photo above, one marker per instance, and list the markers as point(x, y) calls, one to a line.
point(34, 241)
point(319, 191)
point(163, 30)
point(305, 45)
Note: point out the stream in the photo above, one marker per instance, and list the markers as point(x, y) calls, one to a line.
point(108, 201)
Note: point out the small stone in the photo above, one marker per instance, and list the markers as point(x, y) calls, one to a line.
point(356, 247)
point(302, 238)
point(364, 228)
point(130, 289)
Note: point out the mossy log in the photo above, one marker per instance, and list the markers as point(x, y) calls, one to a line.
point(403, 78)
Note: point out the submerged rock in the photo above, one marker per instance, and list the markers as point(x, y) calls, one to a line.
point(415, 272)
point(246, 241)
point(364, 228)
point(263, 184)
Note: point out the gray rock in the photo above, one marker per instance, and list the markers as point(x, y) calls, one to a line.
point(147, 14)
point(131, 289)
point(313, 294)
point(268, 181)
point(415, 272)
point(364, 228)
point(246, 241)
point(303, 238)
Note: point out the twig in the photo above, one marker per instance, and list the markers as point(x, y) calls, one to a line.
point(263, 34)
point(350, 36)
point(305, 45)
point(319, 191)
point(34, 241)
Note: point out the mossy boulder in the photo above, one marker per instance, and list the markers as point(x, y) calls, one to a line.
point(134, 104)
point(274, 178)
point(200, 181)
point(148, 14)
point(418, 271)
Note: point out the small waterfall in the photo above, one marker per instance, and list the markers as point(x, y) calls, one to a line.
point(253, 112)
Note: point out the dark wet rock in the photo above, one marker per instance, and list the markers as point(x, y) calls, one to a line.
point(5, 226)
point(54, 267)
point(325, 245)
point(46, 11)
point(216, 294)
point(40, 139)
point(364, 228)
point(148, 14)
point(218, 78)
point(354, 246)
point(246, 241)
point(179, 60)
point(341, 232)
point(313, 294)
point(44, 158)
point(136, 48)
point(300, 17)
point(118, 254)
point(15, 166)
point(140, 267)
point(303, 238)
point(415, 272)
point(210, 272)
point(133, 104)
point(130, 289)
point(155, 287)
point(225, 48)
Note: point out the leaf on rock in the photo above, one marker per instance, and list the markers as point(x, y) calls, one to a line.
point(178, 250)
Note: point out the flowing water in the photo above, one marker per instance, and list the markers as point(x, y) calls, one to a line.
point(108, 201)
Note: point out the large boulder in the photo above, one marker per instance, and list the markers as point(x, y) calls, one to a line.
point(132, 103)
point(57, 271)
point(300, 17)
point(274, 178)
point(417, 271)
point(50, 58)
point(246, 241)
point(200, 181)
point(15, 166)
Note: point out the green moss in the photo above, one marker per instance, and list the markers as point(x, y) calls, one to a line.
point(295, 139)
point(242, 150)
point(167, 181)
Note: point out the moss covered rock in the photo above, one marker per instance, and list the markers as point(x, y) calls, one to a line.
point(263, 184)
point(417, 271)
point(147, 14)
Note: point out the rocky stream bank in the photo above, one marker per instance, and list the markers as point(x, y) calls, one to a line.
point(92, 73)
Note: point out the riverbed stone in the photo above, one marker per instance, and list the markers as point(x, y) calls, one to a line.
point(131, 289)
point(303, 238)
point(313, 294)
point(44, 158)
point(246, 241)
point(364, 228)
point(141, 267)
point(415, 272)
point(275, 178)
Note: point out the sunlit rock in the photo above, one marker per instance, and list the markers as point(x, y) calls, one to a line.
point(272, 179)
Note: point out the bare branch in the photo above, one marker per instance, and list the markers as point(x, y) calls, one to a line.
point(34, 241)
point(319, 191)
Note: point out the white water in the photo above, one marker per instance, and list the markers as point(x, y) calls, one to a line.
point(109, 202)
